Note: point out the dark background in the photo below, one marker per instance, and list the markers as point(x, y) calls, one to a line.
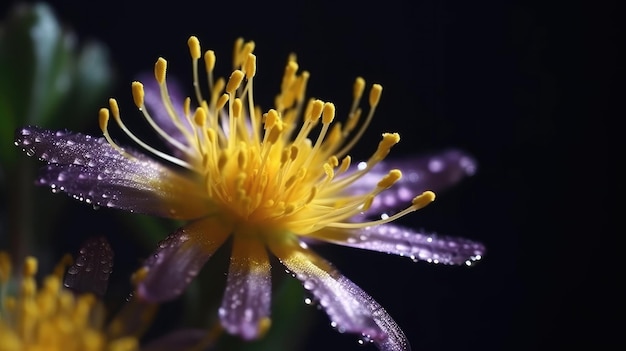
point(530, 89)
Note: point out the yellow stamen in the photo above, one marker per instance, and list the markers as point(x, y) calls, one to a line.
point(285, 168)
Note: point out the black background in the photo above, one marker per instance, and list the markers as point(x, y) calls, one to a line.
point(529, 88)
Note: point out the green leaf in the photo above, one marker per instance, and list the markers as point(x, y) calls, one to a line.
point(45, 75)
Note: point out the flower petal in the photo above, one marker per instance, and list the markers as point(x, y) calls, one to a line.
point(348, 306)
point(403, 241)
point(435, 172)
point(179, 258)
point(245, 307)
point(92, 268)
point(89, 169)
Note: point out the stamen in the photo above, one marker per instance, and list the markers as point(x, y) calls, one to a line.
point(417, 203)
point(374, 98)
point(160, 69)
point(194, 51)
point(138, 98)
point(116, 115)
point(103, 119)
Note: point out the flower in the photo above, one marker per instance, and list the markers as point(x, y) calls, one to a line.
point(51, 317)
point(67, 312)
point(274, 181)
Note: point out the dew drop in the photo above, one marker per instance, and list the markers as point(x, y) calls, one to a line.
point(309, 284)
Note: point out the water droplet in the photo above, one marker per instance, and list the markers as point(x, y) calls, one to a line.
point(403, 247)
point(309, 284)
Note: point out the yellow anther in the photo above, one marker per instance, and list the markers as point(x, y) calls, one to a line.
point(264, 325)
point(389, 140)
point(302, 82)
point(115, 109)
point(236, 50)
point(316, 110)
point(221, 102)
point(359, 87)
point(234, 81)
point(311, 196)
point(248, 47)
point(293, 152)
point(30, 266)
point(237, 107)
point(388, 180)
point(422, 200)
point(199, 117)
point(328, 169)
point(290, 72)
point(138, 94)
point(221, 161)
point(271, 118)
point(275, 133)
point(333, 161)
point(250, 66)
point(209, 60)
point(160, 69)
point(289, 208)
point(194, 47)
point(375, 94)
point(52, 283)
point(242, 156)
point(103, 119)
point(329, 113)
point(345, 164)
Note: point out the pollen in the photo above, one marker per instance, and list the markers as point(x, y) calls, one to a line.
point(50, 317)
point(279, 169)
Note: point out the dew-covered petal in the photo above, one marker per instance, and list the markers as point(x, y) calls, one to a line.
point(435, 171)
point(92, 267)
point(398, 240)
point(160, 114)
point(179, 258)
point(336, 294)
point(89, 169)
point(245, 307)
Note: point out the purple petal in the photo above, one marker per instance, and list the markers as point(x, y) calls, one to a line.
point(394, 338)
point(435, 172)
point(92, 268)
point(89, 169)
point(407, 242)
point(343, 301)
point(158, 112)
point(179, 258)
point(245, 307)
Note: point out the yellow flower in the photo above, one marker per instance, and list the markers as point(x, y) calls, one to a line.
point(51, 317)
point(272, 181)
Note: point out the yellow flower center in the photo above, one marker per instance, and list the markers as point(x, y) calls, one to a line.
point(51, 318)
point(285, 168)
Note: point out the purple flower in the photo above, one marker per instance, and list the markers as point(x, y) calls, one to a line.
point(273, 182)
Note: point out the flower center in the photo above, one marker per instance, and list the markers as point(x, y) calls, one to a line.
point(284, 168)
